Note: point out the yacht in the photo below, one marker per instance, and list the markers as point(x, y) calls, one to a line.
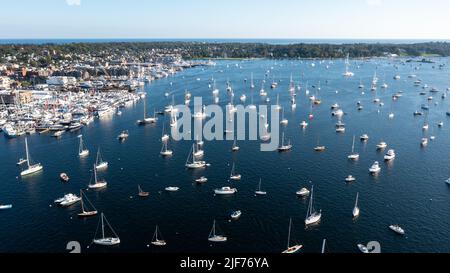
point(390, 155)
point(397, 229)
point(291, 249)
point(283, 147)
point(363, 248)
point(440, 124)
point(158, 241)
point(5, 207)
point(356, 209)
point(259, 191)
point(364, 137)
point(424, 142)
point(194, 164)
point(107, 241)
point(375, 168)
point(234, 176)
point(236, 215)
point(172, 189)
point(31, 168)
point(98, 184)
point(350, 179)
point(215, 238)
point(85, 213)
point(68, 200)
point(304, 124)
point(353, 155)
point(312, 216)
point(124, 135)
point(382, 145)
point(142, 193)
point(347, 73)
point(9, 131)
point(304, 192)
point(64, 177)
point(100, 164)
point(165, 150)
point(201, 180)
point(225, 191)
point(82, 150)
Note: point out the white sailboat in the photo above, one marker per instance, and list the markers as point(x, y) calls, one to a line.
point(31, 168)
point(158, 241)
point(107, 241)
point(235, 147)
point(356, 210)
point(347, 73)
point(259, 191)
point(234, 175)
point(283, 147)
point(100, 164)
point(213, 237)
point(98, 184)
point(85, 213)
point(353, 155)
point(291, 249)
point(146, 120)
point(194, 164)
point(82, 150)
point(312, 216)
point(165, 150)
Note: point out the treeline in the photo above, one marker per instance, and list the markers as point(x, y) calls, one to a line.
point(195, 50)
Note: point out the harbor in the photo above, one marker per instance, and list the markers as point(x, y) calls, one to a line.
point(352, 166)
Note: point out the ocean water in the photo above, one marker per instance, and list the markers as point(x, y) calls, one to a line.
point(409, 191)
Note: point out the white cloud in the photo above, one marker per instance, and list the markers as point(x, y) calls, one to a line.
point(73, 2)
point(374, 2)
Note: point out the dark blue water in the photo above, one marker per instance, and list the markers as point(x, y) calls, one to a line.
point(410, 191)
point(211, 40)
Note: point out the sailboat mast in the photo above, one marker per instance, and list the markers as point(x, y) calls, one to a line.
point(103, 228)
point(323, 245)
point(353, 145)
point(82, 205)
point(289, 234)
point(26, 151)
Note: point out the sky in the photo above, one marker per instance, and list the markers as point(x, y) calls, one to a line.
point(236, 19)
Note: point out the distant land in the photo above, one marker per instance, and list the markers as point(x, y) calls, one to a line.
point(231, 49)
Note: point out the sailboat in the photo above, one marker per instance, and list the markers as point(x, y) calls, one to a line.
point(97, 184)
point(291, 249)
point(259, 191)
point(356, 208)
point(213, 237)
point(283, 121)
point(277, 106)
point(252, 84)
point(324, 245)
point(312, 216)
point(158, 241)
point(147, 120)
point(82, 150)
point(347, 73)
point(235, 147)
point(319, 148)
point(100, 164)
point(142, 193)
point(107, 241)
point(165, 150)
point(194, 164)
point(85, 213)
point(284, 148)
point(234, 175)
point(31, 168)
point(353, 155)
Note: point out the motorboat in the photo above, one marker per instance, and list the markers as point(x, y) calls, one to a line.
point(382, 145)
point(225, 191)
point(172, 189)
point(350, 179)
point(375, 168)
point(236, 215)
point(390, 155)
point(397, 229)
point(304, 192)
point(64, 177)
point(201, 180)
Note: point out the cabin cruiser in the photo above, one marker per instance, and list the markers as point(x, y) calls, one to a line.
point(397, 229)
point(236, 215)
point(201, 180)
point(363, 248)
point(418, 113)
point(304, 124)
point(337, 113)
point(303, 192)
point(172, 189)
point(390, 155)
point(68, 200)
point(424, 142)
point(225, 191)
point(382, 145)
point(364, 137)
point(375, 168)
point(350, 179)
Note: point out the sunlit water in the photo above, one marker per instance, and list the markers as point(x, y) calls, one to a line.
point(409, 191)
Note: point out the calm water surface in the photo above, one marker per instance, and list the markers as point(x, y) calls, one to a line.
point(409, 191)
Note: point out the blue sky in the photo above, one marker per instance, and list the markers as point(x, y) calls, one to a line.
point(353, 19)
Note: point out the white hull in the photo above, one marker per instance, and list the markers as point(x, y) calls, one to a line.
point(107, 241)
point(293, 249)
point(97, 186)
point(32, 170)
